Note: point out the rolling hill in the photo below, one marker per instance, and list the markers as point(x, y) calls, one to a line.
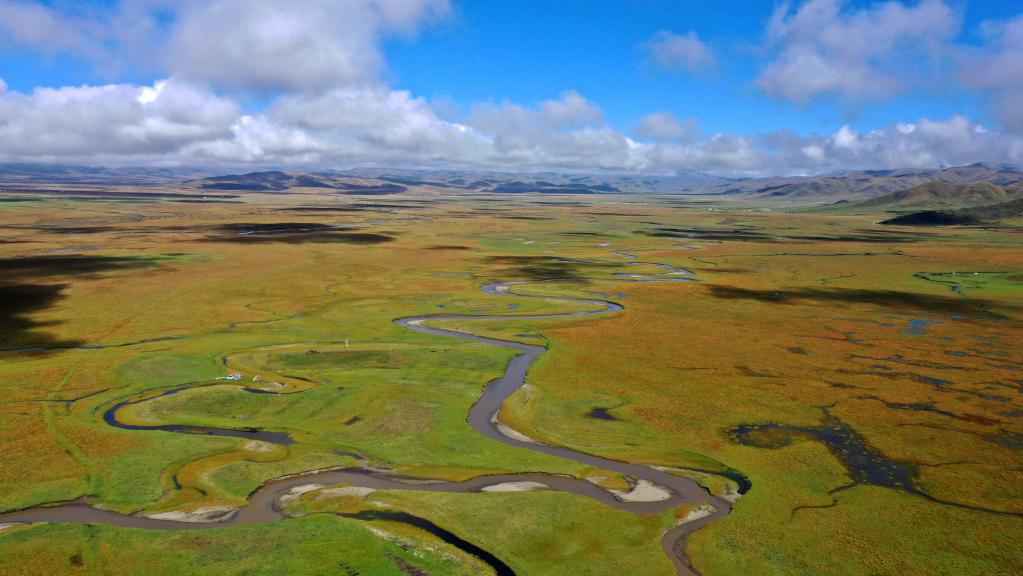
point(944, 195)
point(276, 181)
point(862, 185)
point(961, 217)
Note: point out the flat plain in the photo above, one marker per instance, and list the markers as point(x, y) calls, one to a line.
point(848, 394)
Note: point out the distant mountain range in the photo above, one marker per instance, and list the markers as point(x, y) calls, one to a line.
point(14, 174)
point(275, 181)
point(865, 189)
point(371, 181)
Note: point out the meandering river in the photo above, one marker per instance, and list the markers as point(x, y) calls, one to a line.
point(663, 490)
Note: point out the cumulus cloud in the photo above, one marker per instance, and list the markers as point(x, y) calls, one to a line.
point(38, 26)
point(347, 126)
point(998, 71)
point(264, 45)
point(567, 132)
point(571, 110)
point(825, 47)
point(319, 63)
point(115, 120)
point(292, 46)
point(680, 52)
point(174, 121)
point(665, 127)
point(925, 143)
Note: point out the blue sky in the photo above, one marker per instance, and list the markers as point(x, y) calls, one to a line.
point(748, 73)
point(526, 51)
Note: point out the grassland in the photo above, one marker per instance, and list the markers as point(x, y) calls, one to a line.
point(908, 340)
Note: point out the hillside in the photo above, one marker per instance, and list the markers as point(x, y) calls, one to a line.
point(944, 195)
point(276, 181)
point(864, 184)
point(356, 183)
point(961, 217)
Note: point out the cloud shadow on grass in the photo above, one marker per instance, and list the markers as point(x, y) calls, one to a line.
point(888, 298)
point(544, 267)
point(294, 233)
point(22, 294)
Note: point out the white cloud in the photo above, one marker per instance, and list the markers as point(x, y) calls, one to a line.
point(998, 71)
point(38, 26)
point(115, 120)
point(345, 127)
point(248, 44)
point(680, 52)
point(320, 63)
point(173, 121)
point(826, 48)
point(570, 111)
point(665, 126)
point(923, 144)
point(292, 46)
point(514, 122)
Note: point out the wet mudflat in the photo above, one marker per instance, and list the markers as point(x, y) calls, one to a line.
point(864, 464)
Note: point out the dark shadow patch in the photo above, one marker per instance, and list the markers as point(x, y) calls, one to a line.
point(18, 302)
point(340, 209)
point(246, 228)
point(888, 298)
point(602, 414)
point(705, 234)
point(392, 206)
point(499, 567)
point(842, 385)
point(727, 270)
point(1007, 440)
point(77, 229)
point(750, 373)
point(367, 189)
point(448, 247)
point(861, 238)
point(296, 233)
point(933, 218)
point(71, 265)
point(238, 187)
point(544, 267)
point(618, 214)
point(21, 295)
point(407, 568)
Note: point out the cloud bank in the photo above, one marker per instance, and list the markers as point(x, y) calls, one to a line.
point(823, 48)
point(174, 121)
point(318, 64)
